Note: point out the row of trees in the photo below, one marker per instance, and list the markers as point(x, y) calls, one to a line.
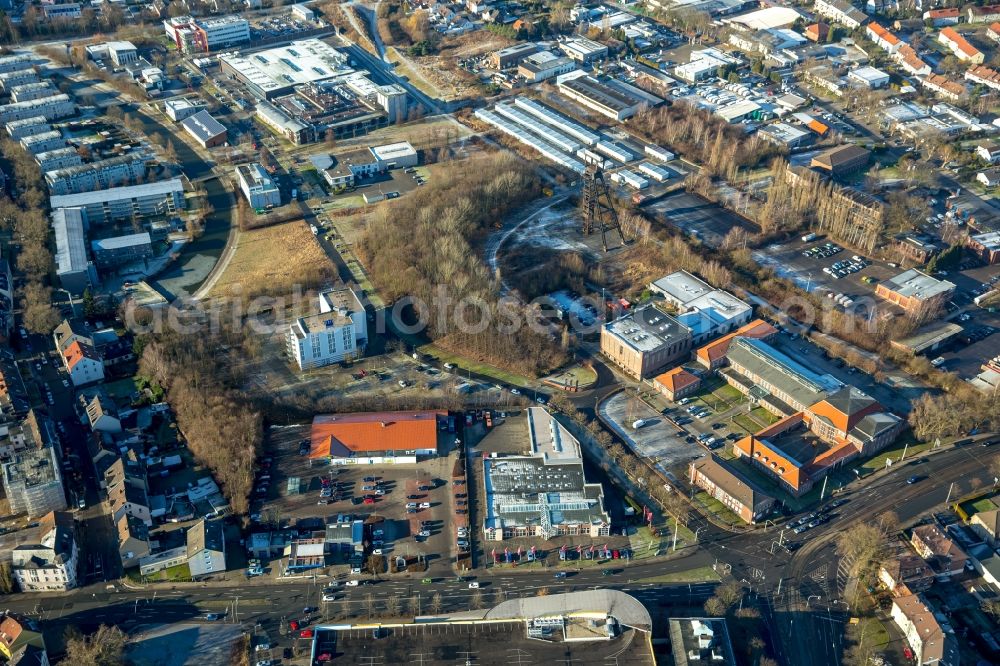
point(30, 226)
point(703, 138)
point(429, 243)
point(222, 427)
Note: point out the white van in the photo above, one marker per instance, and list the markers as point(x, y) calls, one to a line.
point(639, 423)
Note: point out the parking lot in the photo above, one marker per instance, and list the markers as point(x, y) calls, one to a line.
point(293, 488)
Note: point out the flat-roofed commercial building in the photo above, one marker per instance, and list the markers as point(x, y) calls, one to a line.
point(73, 268)
point(584, 50)
point(645, 341)
point(120, 250)
point(258, 187)
point(605, 99)
point(987, 246)
point(181, 108)
point(164, 197)
point(96, 175)
point(512, 55)
point(273, 72)
point(544, 493)
point(376, 438)
point(916, 292)
point(706, 311)
point(727, 484)
point(544, 65)
point(337, 332)
point(292, 129)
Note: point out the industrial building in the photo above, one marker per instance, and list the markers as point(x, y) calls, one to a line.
point(51, 108)
point(207, 34)
point(713, 355)
point(546, 149)
point(583, 50)
point(544, 65)
point(273, 72)
point(916, 292)
point(842, 160)
point(60, 158)
point(18, 129)
point(560, 122)
point(364, 163)
point(73, 268)
point(550, 134)
point(602, 96)
point(376, 438)
point(337, 332)
point(32, 482)
point(258, 187)
point(291, 129)
point(511, 56)
point(708, 312)
point(121, 250)
point(181, 108)
point(205, 129)
point(97, 175)
point(544, 493)
point(644, 341)
point(29, 91)
point(126, 203)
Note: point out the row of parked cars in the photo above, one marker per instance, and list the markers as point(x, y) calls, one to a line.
point(846, 267)
point(822, 251)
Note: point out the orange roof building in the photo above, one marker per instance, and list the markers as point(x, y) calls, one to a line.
point(818, 127)
point(677, 383)
point(713, 354)
point(373, 436)
point(83, 363)
point(883, 38)
point(817, 32)
point(960, 46)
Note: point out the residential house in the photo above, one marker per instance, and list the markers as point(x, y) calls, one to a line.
point(984, 75)
point(986, 524)
point(676, 384)
point(817, 32)
point(924, 633)
point(993, 32)
point(133, 540)
point(983, 14)
point(726, 483)
point(908, 59)
point(989, 177)
point(49, 564)
point(83, 364)
point(18, 632)
point(884, 39)
point(943, 16)
point(905, 573)
point(988, 151)
point(941, 553)
point(206, 548)
point(102, 414)
point(127, 489)
point(943, 87)
point(840, 11)
point(960, 46)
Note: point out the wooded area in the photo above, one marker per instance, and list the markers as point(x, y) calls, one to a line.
point(222, 427)
point(432, 239)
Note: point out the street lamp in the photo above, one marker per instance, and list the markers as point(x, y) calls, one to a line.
point(811, 597)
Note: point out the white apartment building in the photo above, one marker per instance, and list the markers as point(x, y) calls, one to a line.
point(50, 108)
point(204, 35)
point(18, 77)
point(18, 129)
point(14, 63)
point(96, 175)
point(50, 564)
point(29, 91)
point(164, 197)
point(60, 158)
point(40, 143)
point(339, 331)
point(257, 186)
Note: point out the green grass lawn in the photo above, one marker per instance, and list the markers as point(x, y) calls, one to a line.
point(347, 201)
point(121, 388)
point(462, 363)
point(717, 508)
point(915, 449)
point(700, 575)
point(746, 423)
point(981, 504)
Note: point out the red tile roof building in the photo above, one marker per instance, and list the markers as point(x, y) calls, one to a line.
point(376, 435)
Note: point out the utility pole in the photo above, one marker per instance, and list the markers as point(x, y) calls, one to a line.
point(950, 488)
point(904, 452)
point(822, 493)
